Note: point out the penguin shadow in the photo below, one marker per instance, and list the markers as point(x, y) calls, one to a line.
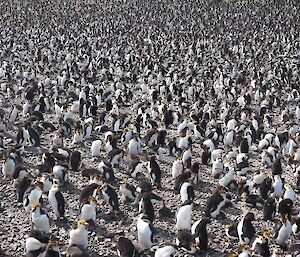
point(70, 187)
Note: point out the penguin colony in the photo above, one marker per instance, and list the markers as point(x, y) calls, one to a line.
point(149, 128)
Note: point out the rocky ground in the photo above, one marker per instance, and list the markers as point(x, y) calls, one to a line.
point(15, 224)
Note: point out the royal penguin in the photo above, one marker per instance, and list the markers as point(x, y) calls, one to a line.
point(187, 158)
point(177, 167)
point(187, 191)
point(265, 188)
point(136, 166)
point(18, 175)
point(125, 248)
point(184, 216)
point(36, 243)
point(47, 181)
point(285, 207)
point(269, 208)
point(260, 245)
point(133, 146)
point(52, 249)
point(215, 203)
point(75, 161)
point(57, 201)
point(145, 232)
point(39, 218)
point(231, 231)
point(217, 167)
point(296, 227)
point(146, 207)
point(227, 178)
point(96, 148)
point(277, 187)
point(9, 166)
point(154, 171)
point(33, 136)
point(88, 210)
point(115, 156)
point(89, 190)
point(110, 197)
point(246, 250)
point(186, 241)
point(283, 231)
point(245, 228)
point(128, 191)
point(32, 196)
point(166, 251)
point(60, 171)
point(244, 146)
point(78, 236)
point(199, 232)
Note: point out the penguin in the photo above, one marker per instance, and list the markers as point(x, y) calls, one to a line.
point(265, 188)
point(245, 228)
point(78, 236)
point(184, 216)
point(115, 156)
point(283, 232)
point(277, 167)
point(296, 228)
point(96, 148)
point(52, 249)
point(145, 232)
point(146, 207)
point(187, 158)
point(23, 186)
point(187, 192)
point(285, 207)
point(135, 166)
point(199, 232)
point(231, 231)
point(166, 251)
point(134, 147)
point(128, 191)
point(180, 180)
point(177, 167)
point(75, 161)
point(57, 201)
point(246, 251)
point(88, 210)
point(47, 181)
point(36, 243)
point(89, 190)
point(61, 173)
point(214, 204)
point(277, 187)
point(8, 167)
point(33, 136)
point(269, 208)
point(206, 156)
point(260, 245)
point(244, 146)
point(154, 171)
point(22, 136)
point(33, 195)
point(39, 218)
point(217, 167)
point(110, 197)
point(186, 241)
point(125, 248)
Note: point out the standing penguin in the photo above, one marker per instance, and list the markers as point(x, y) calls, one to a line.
point(57, 201)
point(79, 235)
point(145, 232)
point(244, 146)
point(177, 167)
point(154, 171)
point(110, 197)
point(283, 231)
point(269, 208)
point(88, 210)
point(127, 190)
point(146, 207)
point(75, 161)
point(125, 248)
point(9, 166)
point(33, 136)
point(52, 249)
point(40, 219)
point(187, 191)
point(200, 233)
point(245, 228)
point(216, 202)
point(184, 216)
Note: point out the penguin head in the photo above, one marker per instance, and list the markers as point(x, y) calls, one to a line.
point(81, 223)
point(35, 206)
point(245, 247)
point(283, 218)
point(276, 250)
point(250, 216)
point(233, 254)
